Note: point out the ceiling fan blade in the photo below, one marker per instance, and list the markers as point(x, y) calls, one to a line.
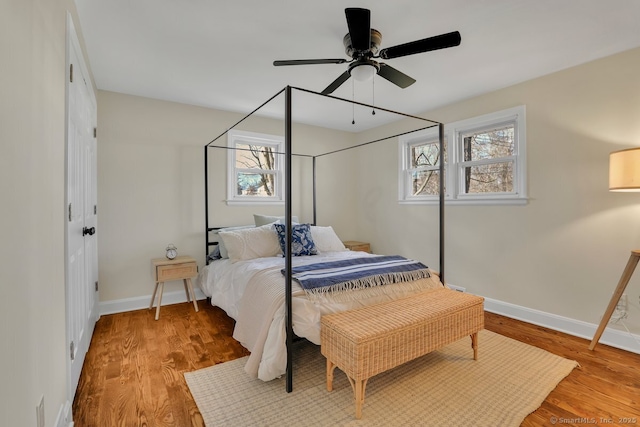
point(336, 83)
point(396, 77)
point(359, 23)
point(309, 61)
point(419, 46)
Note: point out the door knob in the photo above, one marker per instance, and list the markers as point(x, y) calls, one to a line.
point(90, 231)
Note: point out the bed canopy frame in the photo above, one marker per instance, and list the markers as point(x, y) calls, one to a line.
point(288, 155)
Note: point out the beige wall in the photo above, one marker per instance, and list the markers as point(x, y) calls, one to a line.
point(32, 190)
point(564, 251)
point(151, 185)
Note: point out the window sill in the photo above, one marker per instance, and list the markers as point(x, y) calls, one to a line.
point(253, 202)
point(475, 201)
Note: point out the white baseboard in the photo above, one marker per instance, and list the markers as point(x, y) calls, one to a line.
point(456, 288)
point(578, 328)
point(138, 303)
point(613, 337)
point(64, 418)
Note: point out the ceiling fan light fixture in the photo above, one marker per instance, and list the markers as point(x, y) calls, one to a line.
point(363, 72)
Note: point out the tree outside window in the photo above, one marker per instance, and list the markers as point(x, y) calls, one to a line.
point(488, 159)
point(484, 161)
point(255, 168)
point(424, 168)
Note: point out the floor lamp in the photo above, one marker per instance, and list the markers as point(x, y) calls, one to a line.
point(624, 175)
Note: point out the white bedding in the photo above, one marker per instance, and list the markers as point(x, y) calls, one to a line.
point(253, 293)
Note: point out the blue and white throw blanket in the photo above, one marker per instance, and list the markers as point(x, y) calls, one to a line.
point(357, 273)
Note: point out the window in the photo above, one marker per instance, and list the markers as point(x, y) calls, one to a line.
point(420, 173)
point(255, 168)
point(487, 161)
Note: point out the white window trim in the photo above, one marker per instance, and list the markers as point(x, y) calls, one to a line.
point(404, 180)
point(243, 137)
point(453, 132)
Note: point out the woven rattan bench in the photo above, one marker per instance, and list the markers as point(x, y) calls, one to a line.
point(373, 339)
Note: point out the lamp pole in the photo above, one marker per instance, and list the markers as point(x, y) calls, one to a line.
point(622, 285)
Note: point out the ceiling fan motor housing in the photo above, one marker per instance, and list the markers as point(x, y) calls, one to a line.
point(376, 40)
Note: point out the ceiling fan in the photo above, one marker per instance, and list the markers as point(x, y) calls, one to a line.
point(362, 44)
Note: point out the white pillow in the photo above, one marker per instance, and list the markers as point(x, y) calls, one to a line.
point(268, 219)
point(326, 239)
point(221, 247)
point(251, 243)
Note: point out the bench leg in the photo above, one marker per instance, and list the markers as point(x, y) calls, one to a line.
point(330, 368)
point(474, 345)
point(358, 387)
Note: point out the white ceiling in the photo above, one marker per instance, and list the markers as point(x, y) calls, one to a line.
point(219, 54)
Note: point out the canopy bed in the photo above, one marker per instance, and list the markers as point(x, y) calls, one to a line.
point(237, 283)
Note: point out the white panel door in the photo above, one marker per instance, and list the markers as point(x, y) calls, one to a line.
point(81, 254)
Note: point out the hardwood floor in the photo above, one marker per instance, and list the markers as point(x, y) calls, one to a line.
point(603, 390)
point(133, 373)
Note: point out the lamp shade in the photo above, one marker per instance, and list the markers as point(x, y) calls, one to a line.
point(624, 170)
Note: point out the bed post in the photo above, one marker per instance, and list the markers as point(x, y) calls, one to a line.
point(206, 205)
point(441, 198)
point(314, 191)
point(288, 228)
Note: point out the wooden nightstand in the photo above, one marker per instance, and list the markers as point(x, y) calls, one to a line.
point(180, 268)
point(357, 246)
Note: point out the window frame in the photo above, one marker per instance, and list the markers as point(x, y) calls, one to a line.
point(423, 137)
point(455, 164)
point(236, 137)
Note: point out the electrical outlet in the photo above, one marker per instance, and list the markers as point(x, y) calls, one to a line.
point(40, 413)
point(622, 304)
point(620, 311)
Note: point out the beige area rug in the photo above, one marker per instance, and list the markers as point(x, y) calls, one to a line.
point(444, 388)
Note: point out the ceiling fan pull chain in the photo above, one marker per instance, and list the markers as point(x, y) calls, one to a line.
point(373, 96)
point(353, 106)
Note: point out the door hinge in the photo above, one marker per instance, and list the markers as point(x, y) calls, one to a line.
point(69, 212)
point(72, 348)
point(95, 132)
point(96, 286)
point(71, 73)
point(95, 209)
